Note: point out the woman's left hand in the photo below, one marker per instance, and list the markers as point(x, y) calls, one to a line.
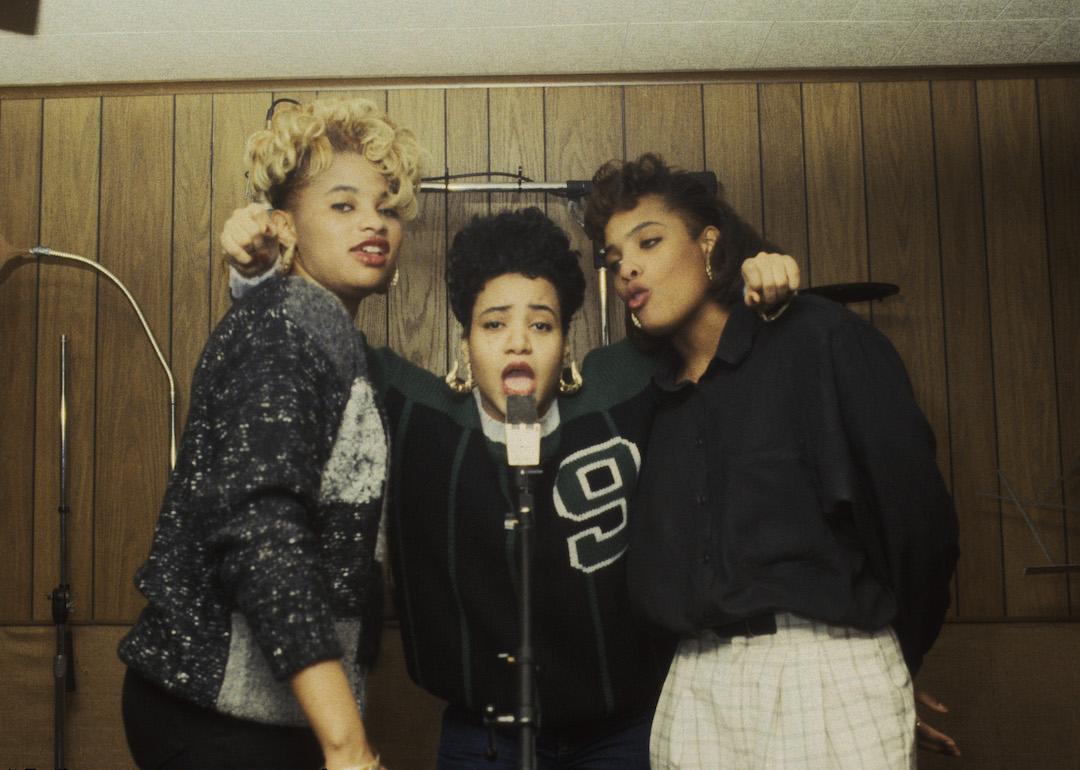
point(770, 279)
point(928, 736)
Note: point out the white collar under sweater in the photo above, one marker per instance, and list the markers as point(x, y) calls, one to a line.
point(496, 431)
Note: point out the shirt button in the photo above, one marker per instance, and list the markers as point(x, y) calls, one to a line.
point(705, 558)
point(699, 441)
point(701, 500)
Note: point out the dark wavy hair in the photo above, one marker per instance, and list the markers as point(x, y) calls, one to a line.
point(523, 241)
point(618, 186)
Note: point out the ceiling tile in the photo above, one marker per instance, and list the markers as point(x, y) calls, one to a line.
point(775, 10)
point(1042, 9)
point(974, 42)
point(519, 50)
point(624, 11)
point(924, 10)
point(148, 40)
point(693, 46)
point(834, 43)
point(1061, 46)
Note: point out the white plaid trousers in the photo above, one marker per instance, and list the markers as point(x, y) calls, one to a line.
point(809, 696)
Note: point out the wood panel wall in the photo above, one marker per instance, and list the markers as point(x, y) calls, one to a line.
point(966, 193)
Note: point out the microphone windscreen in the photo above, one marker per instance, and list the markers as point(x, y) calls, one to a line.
point(521, 409)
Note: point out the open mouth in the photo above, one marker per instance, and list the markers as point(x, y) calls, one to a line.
point(518, 379)
point(373, 252)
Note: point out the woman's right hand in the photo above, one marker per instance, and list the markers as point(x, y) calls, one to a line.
point(250, 240)
point(363, 759)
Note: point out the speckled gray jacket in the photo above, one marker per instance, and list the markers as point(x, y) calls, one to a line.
point(263, 560)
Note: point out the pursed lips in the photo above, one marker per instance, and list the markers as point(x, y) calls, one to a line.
point(636, 296)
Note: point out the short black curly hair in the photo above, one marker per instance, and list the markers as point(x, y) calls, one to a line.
point(523, 241)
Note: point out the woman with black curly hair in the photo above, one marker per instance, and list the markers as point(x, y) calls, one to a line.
point(514, 285)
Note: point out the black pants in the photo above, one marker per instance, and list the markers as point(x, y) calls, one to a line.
point(165, 732)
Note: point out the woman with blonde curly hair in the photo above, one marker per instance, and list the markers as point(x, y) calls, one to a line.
point(264, 580)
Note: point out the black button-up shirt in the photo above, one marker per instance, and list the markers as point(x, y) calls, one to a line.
point(797, 474)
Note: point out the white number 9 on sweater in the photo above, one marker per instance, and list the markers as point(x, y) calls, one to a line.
point(592, 486)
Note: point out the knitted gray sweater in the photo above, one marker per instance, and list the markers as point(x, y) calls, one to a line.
point(263, 560)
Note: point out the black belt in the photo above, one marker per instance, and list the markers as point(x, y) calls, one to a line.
point(758, 625)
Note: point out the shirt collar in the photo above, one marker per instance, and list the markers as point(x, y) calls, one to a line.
point(496, 431)
point(735, 344)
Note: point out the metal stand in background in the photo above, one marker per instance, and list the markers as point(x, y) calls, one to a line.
point(1041, 500)
point(39, 252)
point(64, 660)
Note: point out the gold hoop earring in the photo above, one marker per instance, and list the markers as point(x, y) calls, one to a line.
point(394, 280)
point(635, 321)
point(453, 378)
point(570, 379)
point(285, 261)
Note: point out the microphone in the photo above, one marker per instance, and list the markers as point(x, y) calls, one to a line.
point(522, 432)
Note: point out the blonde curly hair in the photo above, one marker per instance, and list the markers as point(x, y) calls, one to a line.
point(301, 139)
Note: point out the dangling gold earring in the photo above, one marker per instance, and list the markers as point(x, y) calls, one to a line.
point(453, 380)
point(285, 261)
point(570, 379)
point(394, 280)
point(635, 321)
point(708, 266)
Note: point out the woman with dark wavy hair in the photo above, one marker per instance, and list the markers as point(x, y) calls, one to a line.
point(790, 523)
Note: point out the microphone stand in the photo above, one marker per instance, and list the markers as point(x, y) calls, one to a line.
point(523, 456)
point(527, 717)
point(64, 661)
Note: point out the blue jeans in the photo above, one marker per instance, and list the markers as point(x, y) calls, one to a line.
point(618, 743)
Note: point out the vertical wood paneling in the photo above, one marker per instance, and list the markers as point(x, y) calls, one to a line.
point(516, 120)
point(835, 199)
point(665, 120)
point(236, 116)
point(1024, 381)
point(132, 412)
point(20, 189)
point(372, 316)
point(94, 733)
point(417, 305)
point(901, 209)
point(194, 247)
point(973, 438)
point(1059, 118)
point(731, 145)
point(67, 304)
point(466, 152)
point(583, 130)
point(783, 175)
point(995, 300)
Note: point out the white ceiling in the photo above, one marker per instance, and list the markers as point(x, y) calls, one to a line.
point(102, 41)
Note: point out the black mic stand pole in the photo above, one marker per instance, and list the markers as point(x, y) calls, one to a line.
point(64, 661)
point(526, 665)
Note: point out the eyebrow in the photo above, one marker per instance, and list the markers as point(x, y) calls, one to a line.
point(504, 308)
point(636, 228)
